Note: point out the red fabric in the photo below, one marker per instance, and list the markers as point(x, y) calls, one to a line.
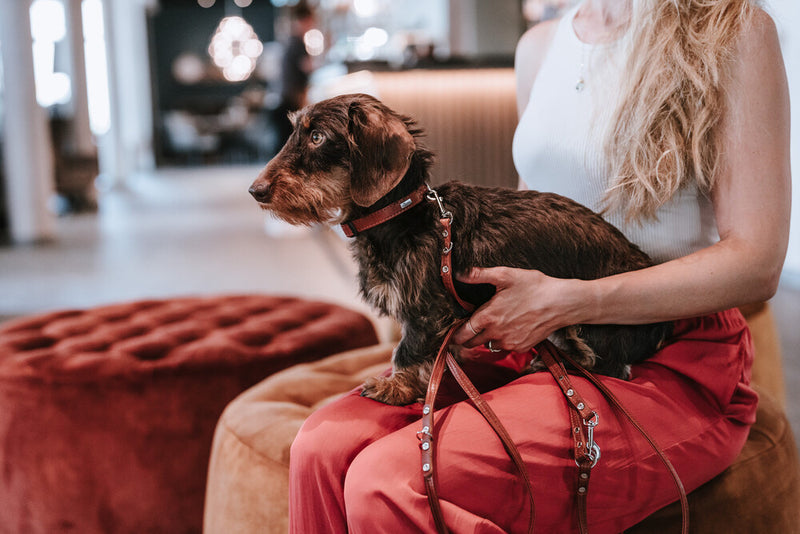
point(355, 463)
point(107, 414)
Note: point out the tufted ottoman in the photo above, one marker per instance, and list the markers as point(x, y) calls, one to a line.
point(249, 468)
point(107, 415)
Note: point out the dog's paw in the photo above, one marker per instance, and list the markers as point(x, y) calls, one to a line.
point(389, 390)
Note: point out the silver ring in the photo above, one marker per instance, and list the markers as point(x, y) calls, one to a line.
point(469, 324)
point(491, 349)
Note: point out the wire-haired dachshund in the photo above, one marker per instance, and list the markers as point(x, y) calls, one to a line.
point(353, 161)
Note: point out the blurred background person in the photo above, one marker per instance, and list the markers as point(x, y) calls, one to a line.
point(296, 67)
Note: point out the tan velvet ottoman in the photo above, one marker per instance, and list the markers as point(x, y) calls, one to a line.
point(107, 414)
point(248, 473)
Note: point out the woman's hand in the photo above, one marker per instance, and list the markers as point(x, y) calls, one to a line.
point(528, 307)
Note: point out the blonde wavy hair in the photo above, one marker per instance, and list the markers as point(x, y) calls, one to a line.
point(665, 131)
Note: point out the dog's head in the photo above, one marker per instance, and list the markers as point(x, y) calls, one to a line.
point(344, 151)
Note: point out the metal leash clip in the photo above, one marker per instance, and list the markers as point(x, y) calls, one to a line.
point(432, 195)
point(591, 445)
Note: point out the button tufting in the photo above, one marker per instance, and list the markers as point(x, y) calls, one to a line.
point(26, 341)
point(136, 339)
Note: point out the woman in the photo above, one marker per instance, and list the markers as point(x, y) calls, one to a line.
point(693, 165)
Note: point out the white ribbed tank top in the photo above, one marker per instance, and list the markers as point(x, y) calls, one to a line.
point(558, 144)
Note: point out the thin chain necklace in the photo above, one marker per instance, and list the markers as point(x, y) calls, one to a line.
point(581, 83)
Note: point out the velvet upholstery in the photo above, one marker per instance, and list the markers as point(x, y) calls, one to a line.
point(248, 473)
point(107, 414)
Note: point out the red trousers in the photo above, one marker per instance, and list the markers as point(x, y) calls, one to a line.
point(355, 465)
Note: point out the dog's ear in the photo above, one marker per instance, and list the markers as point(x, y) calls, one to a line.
point(380, 150)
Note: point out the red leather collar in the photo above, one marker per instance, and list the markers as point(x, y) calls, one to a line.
point(356, 226)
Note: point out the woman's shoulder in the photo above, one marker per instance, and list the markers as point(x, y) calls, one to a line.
point(760, 32)
point(531, 50)
point(758, 51)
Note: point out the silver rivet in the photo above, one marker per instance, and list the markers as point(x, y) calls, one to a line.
point(426, 446)
point(445, 234)
point(426, 467)
point(581, 406)
point(581, 490)
point(570, 393)
point(425, 429)
point(445, 269)
point(426, 410)
point(577, 429)
point(584, 476)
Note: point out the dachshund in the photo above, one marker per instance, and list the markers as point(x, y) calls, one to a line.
point(351, 160)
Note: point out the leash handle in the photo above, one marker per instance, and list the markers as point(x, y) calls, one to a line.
point(552, 357)
point(427, 434)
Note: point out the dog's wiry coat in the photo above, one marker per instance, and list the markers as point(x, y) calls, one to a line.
point(351, 155)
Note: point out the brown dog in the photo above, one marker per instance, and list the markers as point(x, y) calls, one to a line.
point(351, 159)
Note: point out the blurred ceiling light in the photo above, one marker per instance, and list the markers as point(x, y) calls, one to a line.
point(48, 21)
point(365, 46)
point(363, 51)
point(235, 48)
point(366, 8)
point(188, 68)
point(242, 3)
point(206, 3)
point(314, 41)
point(375, 37)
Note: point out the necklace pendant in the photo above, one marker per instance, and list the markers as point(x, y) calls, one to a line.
point(580, 85)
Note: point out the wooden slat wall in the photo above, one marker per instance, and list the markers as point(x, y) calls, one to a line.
point(469, 116)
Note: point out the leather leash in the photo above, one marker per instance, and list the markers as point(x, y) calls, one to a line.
point(552, 357)
point(583, 419)
point(427, 434)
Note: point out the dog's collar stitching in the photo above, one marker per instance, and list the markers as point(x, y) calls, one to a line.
point(354, 227)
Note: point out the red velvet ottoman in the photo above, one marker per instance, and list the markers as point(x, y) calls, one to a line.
point(107, 415)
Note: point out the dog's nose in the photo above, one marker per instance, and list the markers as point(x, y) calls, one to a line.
point(260, 191)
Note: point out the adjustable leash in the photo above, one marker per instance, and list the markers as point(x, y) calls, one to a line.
point(446, 270)
point(427, 434)
point(551, 355)
point(583, 419)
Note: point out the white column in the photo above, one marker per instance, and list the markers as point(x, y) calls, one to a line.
point(134, 91)
point(127, 146)
point(82, 140)
point(28, 157)
point(110, 153)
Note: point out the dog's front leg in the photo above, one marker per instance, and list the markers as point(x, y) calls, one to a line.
point(412, 362)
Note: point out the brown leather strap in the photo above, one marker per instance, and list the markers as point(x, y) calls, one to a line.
point(426, 435)
point(447, 263)
point(356, 226)
point(549, 352)
point(583, 419)
point(498, 428)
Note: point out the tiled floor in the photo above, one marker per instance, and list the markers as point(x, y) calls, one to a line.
point(197, 231)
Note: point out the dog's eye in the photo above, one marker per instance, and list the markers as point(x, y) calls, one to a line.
point(317, 137)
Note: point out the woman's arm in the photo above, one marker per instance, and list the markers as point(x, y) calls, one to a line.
point(751, 201)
